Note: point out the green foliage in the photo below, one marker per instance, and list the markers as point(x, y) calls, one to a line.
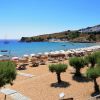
point(93, 72)
point(36, 39)
point(7, 73)
point(92, 37)
point(86, 62)
point(58, 68)
point(68, 35)
point(93, 58)
point(77, 62)
point(49, 37)
point(73, 35)
point(98, 63)
point(97, 54)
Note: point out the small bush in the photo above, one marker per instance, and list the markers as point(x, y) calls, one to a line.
point(77, 63)
point(7, 72)
point(58, 68)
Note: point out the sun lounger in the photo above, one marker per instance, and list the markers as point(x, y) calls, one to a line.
point(18, 96)
point(14, 94)
point(21, 66)
point(24, 74)
point(7, 91)
point(34, 62)
point(43, 60)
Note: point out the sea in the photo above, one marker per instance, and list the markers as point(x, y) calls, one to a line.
point(17, 48)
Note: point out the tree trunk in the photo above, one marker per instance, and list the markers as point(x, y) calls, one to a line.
point(77, 72)
point(96, 87)
point(58, 77)
point(5, 97)
point(92, 64)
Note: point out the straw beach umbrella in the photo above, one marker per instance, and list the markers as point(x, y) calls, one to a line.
point(25, 55)
point(57, 52)
point(52, 52)
point(15, 58)
point(39, 53)
point(46, 53)
point(1, 55)
point(32, 55)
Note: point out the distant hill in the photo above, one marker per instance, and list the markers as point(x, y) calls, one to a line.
point(91, 29)
point(89, 34)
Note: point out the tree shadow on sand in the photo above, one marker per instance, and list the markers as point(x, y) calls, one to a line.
point(63, 84)
point(81, 78)
point(96, 95)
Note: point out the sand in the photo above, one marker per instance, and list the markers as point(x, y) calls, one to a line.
point(43, 86)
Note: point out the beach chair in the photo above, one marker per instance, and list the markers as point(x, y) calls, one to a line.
point(25, 74)
point(13, 94)
point(61, 57)
point(22, 63)
point(43, 60)
point(53, 58)
point(34, 62)
point(21, 67)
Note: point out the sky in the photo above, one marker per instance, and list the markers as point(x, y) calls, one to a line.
point(22, 18)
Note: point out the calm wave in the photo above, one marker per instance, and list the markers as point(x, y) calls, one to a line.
point(20, 48)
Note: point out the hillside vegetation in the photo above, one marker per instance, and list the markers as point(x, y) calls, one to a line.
point(89, 34)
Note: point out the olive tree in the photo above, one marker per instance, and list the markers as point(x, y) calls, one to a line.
point(93, 58)
point(77, 63)
point(7, 73)
point(58, 68)
point(94, 73)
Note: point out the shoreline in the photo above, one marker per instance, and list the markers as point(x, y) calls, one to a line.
point(60, 46)
point(62, 41)
point(66, 52)
point(18, 40)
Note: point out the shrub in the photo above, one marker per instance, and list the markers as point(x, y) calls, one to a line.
point(7, 73)
point(94, 73)
point(58, 68)
point(77, 63)
point(93, 58)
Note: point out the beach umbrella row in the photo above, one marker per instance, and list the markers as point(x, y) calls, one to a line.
point(71, 51)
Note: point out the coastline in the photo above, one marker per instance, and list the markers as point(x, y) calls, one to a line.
point(20, 48)
point(59, 40)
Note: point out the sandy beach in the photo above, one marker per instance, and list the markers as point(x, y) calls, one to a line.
point(43, 86)
point(50, 50)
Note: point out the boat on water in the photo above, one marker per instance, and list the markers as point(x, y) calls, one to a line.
point(4, 55)
point(4, 50)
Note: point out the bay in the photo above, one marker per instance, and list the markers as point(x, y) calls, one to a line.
point(17, 48)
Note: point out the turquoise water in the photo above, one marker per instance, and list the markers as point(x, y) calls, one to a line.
point(20, 48)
